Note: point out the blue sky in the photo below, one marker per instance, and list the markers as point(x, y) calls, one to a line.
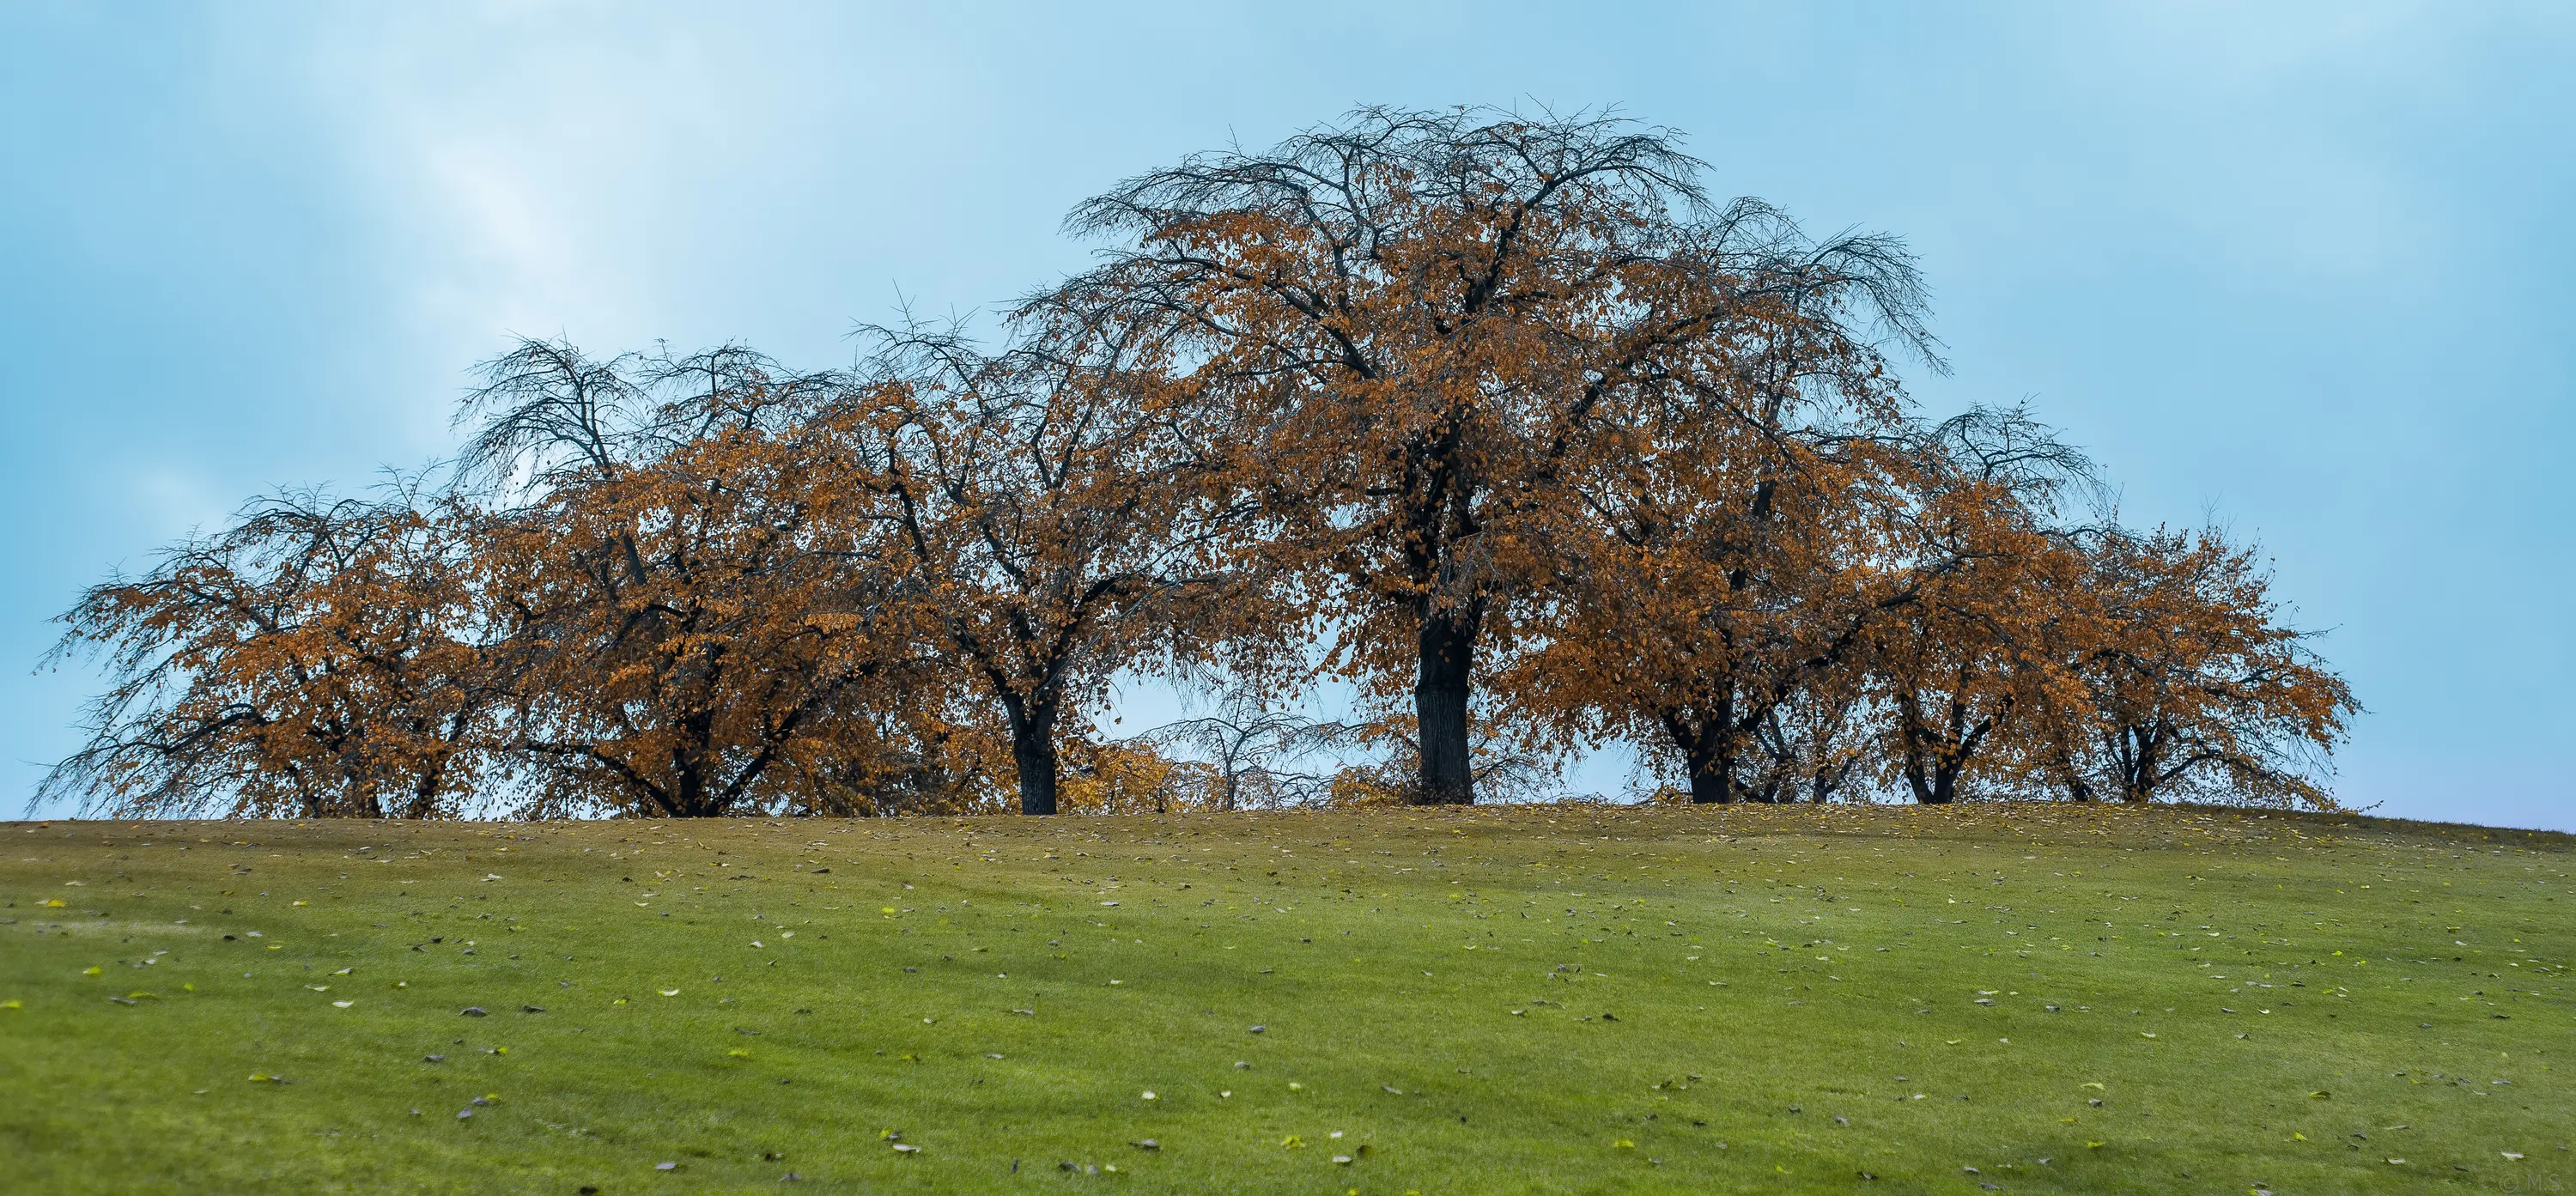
point(2302, 270)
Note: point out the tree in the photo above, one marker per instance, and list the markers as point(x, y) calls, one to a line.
point(1055, 502)
point(674, 641)
point(1746, 530)
point(1975, 659)
point(1722, 597)
point(1421, 320)
point(2193, 684)
point(315, 658)
point(1132, 777)
point(1249, 749)
point(1815, 743)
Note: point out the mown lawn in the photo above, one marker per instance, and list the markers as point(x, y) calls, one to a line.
point(1542, 999)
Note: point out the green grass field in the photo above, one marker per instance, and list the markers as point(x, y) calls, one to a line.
point(1541, 999)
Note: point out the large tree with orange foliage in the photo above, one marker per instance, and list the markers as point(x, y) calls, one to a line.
point(684, 627)
point(1975, 663)
point(314, 658)
point(1745, 529)
point(1062, 507)
point(1424, 322)
point(1726, 586)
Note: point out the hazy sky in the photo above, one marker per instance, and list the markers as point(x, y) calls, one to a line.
point(2305, 272)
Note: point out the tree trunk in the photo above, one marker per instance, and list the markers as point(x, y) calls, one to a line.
point(424, 791)
point(690, 797)
point(1440, 709)
point(1033, 751)
point(1935, 781)
point(1712, 779)
point(2139, 747)
point(1708, 751)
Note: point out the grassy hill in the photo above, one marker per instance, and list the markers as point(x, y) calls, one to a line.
point(1545, 999)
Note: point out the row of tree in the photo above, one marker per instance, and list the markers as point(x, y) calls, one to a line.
point(1500, 419)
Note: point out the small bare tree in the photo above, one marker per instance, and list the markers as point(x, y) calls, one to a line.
point(1254, 752)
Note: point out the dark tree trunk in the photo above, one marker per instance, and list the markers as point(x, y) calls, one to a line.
point(689, 793)
point(1936, 757)
point(690, 796)
point(424, 793)
point(2139, 748)
point(1033, 751)
point(1440, 709)
point(1934, 778)
point(1708, 751)
point(1712, 779)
